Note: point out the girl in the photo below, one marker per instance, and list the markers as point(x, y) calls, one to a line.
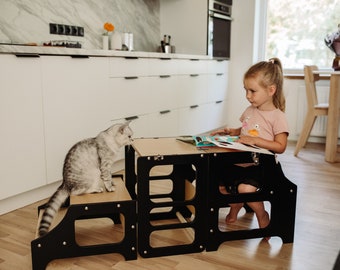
point(264, 124)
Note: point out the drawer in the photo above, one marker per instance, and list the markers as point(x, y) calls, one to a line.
point(192, 66)
point(132, 96)
point(217, 89)
point(192, 90)
point(164, 92)
point(218, 66)
point(164, 123)
point(163, 66)
point(128, 66)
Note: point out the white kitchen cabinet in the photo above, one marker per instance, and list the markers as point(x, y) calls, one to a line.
point(192, 66)
point(22, 154)
point(192, 120)
point(216, 115)
point(77, 105)
point(163, 66)
point(49, 103)
point(128, 66)
point(164, 92)
point(217, 87)
point(217, 80)
point(192, 90)
point(164, 123)
point(131, 96)
point(218, 66)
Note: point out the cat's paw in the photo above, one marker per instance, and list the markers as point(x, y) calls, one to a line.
point(109, 186)
point(111, 189)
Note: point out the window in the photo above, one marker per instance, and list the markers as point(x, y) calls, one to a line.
point(296, 30)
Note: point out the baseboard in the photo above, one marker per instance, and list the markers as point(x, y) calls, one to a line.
point(26, 198)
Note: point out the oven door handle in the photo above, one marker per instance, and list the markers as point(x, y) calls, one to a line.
point(220, 16)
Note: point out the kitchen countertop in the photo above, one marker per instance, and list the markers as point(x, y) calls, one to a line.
point(45, 50)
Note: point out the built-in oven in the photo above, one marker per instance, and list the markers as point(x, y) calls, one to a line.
point(219, 28)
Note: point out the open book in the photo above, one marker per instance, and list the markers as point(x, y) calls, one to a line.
point(224, 142)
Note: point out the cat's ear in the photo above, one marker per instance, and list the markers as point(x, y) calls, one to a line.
point(123, 127)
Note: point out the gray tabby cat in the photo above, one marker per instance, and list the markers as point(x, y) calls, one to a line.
point(87, 169)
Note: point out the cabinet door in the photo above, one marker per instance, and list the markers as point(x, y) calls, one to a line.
point(163, 66)
point(192, 90)
point(132, 96)
point(164, 123)
point(217, 116)
point(128, 66)
point(192, 120)
point(21, 118)
point(77, 105)
point(218, 80)
point(163, 91)
point(218, 66)
point(217, 87)
point(192, 66)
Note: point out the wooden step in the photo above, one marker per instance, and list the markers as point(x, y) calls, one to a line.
point(120, 194)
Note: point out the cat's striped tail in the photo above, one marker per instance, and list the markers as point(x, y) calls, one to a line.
point(52, 207)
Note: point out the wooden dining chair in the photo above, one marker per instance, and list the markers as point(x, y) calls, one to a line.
point(314, 108)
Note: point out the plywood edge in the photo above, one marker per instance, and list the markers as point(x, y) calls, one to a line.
point(120, 194)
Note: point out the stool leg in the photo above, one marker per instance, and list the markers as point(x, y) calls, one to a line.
point(305, 132)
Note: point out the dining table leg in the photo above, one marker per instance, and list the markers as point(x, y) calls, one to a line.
point(333, 120)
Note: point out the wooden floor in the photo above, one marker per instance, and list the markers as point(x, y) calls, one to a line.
point(317, 231)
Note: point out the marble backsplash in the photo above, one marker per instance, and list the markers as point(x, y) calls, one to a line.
point(23, 21)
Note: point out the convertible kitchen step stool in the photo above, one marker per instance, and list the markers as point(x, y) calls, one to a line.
point(195, 199)
point(63, 241)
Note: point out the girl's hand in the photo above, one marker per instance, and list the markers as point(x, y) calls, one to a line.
point(247, 140)
point(227, 131)
point(277, 146)
point(223, 131)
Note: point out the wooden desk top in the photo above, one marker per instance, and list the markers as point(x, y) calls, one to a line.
point(171, 146)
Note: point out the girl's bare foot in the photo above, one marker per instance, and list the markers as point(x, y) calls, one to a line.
point(233, 212)
point(222, 190)
point(264, 222)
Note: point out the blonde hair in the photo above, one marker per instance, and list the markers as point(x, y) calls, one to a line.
point(271, 73)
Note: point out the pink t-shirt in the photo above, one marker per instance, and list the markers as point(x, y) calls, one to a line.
point(263, 124)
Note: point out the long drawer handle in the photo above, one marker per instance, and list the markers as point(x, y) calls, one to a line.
point(164, 112)
point(219, 74)
point(164, 76)
point(131, 57)
point(81, 56)
point(131, 118)
point(33, 55)
point(194, 75)
point(219, 101)
point(131, 77)
point(193, 106)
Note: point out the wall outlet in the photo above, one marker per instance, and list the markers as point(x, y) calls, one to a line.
point(53, 28)
point(60, 29)
point(69, 30)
